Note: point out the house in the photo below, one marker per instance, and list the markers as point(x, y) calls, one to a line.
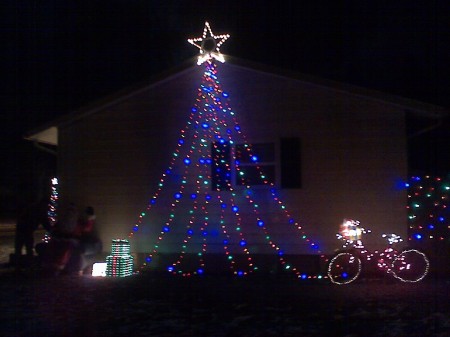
point(332, 151)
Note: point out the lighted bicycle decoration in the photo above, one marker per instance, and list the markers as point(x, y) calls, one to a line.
point(408, 265)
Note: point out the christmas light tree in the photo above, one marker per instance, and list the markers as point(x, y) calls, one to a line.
point(428, 210)
point(52, 212)
point(211, 158)
point(53, 203)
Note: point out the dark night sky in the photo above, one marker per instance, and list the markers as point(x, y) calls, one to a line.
point(59, 55)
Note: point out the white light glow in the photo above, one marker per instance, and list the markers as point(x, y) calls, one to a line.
point(99, 269)
point(209, 46)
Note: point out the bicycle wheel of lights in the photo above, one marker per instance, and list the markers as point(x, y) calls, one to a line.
point(410, 265)
point(344, 268)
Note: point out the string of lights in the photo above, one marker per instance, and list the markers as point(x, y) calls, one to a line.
point(202, 168)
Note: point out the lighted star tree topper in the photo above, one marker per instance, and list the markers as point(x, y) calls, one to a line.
point(203, 209)
point(209, 45)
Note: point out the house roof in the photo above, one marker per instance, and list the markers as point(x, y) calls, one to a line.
point(48, 133)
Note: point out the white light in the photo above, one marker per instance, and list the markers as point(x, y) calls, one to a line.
point(99, 269)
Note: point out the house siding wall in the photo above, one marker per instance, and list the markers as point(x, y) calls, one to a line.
point(353, 156)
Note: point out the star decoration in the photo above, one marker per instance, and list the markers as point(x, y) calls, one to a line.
point(209, 45)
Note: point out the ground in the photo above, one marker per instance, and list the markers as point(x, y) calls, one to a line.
point(154, 304)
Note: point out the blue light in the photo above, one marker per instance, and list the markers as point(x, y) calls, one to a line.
point(243, 243)
point(200, 271)
point(400, 184)
point(194, 109)
point(135, 228)
point(166, 229)
point(177, 195)
point(431, 226)
point(201, 161)
point(240, 273)
point(168, 171)
point(193, 196)
point(418, 236)
point(237, 127)
point(291, 221)
point(170, 269)
point(224, 94)
point(205, 125)
point(254, 158)
point(208, 197)
point(304, 276)
point(225, 242)
point(153, 201)
point(187, 161)
point(222, 141)
point(205, 233)
point(280, 253)
point(223, 205)
point(190, 232)
point(208, 161)
point(260, 223)
point(441, 219)
point(344, 275)
point(148, 259)
point(235, 209)
point(314, 246)
point(181, 141)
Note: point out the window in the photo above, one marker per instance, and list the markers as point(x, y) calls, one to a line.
point(255, 164)
point(220, 166)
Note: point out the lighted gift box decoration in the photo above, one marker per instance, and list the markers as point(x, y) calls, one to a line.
point(120, 262)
